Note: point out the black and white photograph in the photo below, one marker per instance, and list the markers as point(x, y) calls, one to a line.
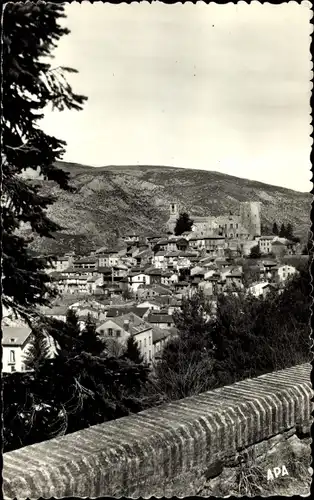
point(156, 249)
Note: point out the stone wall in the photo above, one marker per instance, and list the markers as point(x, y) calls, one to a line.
point(170, 450)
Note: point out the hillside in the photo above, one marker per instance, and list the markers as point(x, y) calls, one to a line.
point(112, 200)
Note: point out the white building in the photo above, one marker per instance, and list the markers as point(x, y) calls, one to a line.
point(285, 272)
point(265, 244)
point(15, 342)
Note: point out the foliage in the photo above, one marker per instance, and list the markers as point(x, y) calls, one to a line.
point(275, 229)
point(251, 274)
point(255, 252)
point(95, 388)
point(127, 294)
point(184, 223)
point(245, 338)
point(132, 351)
point(185, 367)
point(308, 248)
point(38, 351)
point(29, 84)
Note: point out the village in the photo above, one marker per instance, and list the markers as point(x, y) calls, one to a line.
point(134, 290)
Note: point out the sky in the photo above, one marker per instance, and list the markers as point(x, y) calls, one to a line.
point(216, 87)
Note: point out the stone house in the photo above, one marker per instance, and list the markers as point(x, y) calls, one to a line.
point(159, 260)
point(285, 272)
point(234, 280)
point(138, 278)
point(61, 263)
point(260, 289)
point(108, 258)
point(160, 320)
point(150, 304)
point(121, 327)
point(160, 337)
point(265, 244)
point(86, 263)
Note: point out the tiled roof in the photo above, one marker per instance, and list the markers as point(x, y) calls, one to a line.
point(86, 260)
point(136, 324)
point(181, 283)
point(114, 312)
point(55, 310)
point(160, 334)
point(15, 335)
point(160, 318)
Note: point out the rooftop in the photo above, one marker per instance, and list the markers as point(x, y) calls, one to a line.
point(15, 335)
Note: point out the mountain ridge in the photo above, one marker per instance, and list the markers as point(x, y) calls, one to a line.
point(71, 166)
point(112, 200)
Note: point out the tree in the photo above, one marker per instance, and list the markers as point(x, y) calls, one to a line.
point(255, 252)
point(282, 232)
point(308, 248)
point(289, 232)
point(275, 229)
point(127, 294)
point(29, 84)
point(186, 363)
point(38, 351)
point(77, 388)
point(132, 351)
point(184, 223)
point(91, 342)
point(265, 230)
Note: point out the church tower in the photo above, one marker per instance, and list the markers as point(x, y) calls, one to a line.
point(174, 210)
point(173, 216)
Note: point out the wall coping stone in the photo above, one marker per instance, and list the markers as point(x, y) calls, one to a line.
point(166, 450)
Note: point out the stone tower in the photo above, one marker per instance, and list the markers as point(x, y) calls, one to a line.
point(173, 216)
point(250, 217)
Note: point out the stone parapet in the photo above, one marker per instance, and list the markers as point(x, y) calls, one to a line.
point(167, 450)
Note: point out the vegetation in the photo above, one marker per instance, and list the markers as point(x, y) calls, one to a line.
point(183, 224)
point(249, 477)
point(132, 351)
point(38, 351)
point(247, 337)
point(29, 84)
point(285, 232)
point(255, 252)
point(96, 387)
point(82, 385)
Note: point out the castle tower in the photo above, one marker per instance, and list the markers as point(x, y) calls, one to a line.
point(250, 217)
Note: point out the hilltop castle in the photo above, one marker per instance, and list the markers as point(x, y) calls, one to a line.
point(245, 226)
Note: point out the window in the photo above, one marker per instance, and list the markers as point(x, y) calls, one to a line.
point(237, 225)
point(118, 333)
point(150, 355)
point(12, 356)
point(110, 332)
point(140, 344)
point(169, 324)
point(231, 226)
point(144, 342)
point(102, 331)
